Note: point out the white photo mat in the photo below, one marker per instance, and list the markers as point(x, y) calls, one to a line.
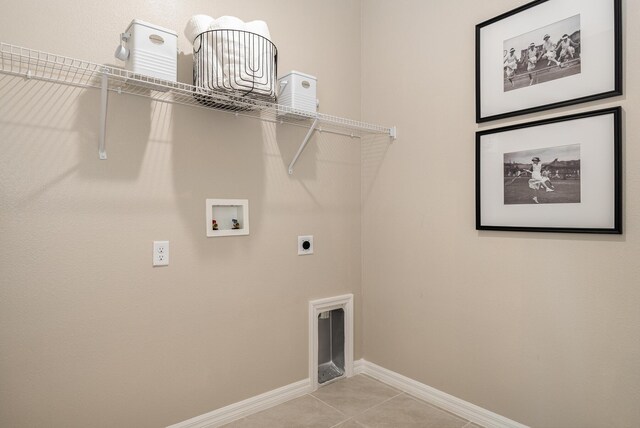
point(598, 56)
point(597, 206)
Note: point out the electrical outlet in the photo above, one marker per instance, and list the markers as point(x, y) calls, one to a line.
point(160, 253)
point(305, 245)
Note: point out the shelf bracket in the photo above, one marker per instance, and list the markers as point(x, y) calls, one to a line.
point(393, 133)
point(303, 145)
point(104, 98)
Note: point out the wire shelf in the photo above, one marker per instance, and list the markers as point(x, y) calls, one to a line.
point(33, 64)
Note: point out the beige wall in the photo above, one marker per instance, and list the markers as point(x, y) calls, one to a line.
point(541, 328)
point(90, 333)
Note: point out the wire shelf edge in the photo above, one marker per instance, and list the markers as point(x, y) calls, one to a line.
point(39, 65)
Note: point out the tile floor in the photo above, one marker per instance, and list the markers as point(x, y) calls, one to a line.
point(358, 402)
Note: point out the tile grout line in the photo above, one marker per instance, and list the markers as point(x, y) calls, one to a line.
point(340, 423)
point(468, 424)
point(354, 421)
point(365, 410)
point(329, 405)
point(379, 404)
point(352, 418)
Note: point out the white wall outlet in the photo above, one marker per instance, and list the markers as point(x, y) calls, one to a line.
point(305, 245)
point(160, 253)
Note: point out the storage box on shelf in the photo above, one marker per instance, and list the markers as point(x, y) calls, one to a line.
point(298, 92)
point(235, 62)
point(152, 50)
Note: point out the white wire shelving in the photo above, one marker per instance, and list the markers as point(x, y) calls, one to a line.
point(38, 65)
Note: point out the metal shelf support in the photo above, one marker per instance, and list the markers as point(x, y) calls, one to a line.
point(393, 133)
point(303, 145)
point(104, 98)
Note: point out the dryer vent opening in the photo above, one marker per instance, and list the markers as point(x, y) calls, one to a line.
point(330, 345)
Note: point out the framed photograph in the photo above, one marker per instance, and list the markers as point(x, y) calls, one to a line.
point(556, 175)
point(548, 54)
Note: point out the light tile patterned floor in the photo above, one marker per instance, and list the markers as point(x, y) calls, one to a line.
point(358, 402)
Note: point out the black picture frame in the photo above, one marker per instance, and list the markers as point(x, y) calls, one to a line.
point(486, 97)
point(613, 152)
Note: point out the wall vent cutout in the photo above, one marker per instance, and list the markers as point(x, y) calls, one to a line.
point(330, 339)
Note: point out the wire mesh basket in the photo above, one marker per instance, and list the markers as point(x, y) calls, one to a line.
point(236, 63)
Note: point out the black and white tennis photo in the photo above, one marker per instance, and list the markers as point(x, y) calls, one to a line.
point(548, 53)
point(543, 176)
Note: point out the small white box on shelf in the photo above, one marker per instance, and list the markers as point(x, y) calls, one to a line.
point(227, 217)
point(298, 91)
point(153, 50)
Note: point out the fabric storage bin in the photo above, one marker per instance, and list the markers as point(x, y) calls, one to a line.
point(298, 91)
point(153, 50)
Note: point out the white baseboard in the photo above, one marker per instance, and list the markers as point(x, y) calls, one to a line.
point(359, 366)
point(247, 407)
point(419, 390)
point(436, 397)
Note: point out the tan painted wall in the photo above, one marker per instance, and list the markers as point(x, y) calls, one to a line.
point(90, 333)
point(541, 328)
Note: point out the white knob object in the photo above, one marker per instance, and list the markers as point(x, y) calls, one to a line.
point(122, 53)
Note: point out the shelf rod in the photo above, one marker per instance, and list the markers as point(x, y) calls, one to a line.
point(303, 145)
point(104, 98)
